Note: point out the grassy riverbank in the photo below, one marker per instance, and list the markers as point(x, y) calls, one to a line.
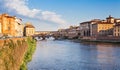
point(28, 55)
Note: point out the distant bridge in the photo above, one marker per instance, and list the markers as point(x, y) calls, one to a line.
point(44, 34)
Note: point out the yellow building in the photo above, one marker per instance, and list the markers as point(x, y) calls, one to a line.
point(102, 29)
point(9, 26)
point(29, 29)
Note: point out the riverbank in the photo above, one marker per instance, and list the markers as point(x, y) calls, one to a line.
point(11, 53)
point(109, 39)
point(16, 52)
point(28, 55)
point(90, 40)
point(95, 39)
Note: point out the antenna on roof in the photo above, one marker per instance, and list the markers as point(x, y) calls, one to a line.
point(109, 15)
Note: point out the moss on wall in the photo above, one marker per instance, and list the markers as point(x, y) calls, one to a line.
point(14, 52)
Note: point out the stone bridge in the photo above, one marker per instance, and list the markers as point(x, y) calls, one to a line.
point(44, 34)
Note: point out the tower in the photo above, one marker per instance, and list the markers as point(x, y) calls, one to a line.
point(110, 19)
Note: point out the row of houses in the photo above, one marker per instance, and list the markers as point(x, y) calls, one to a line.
point(97, 27)
point(110, 27)
point(14, 27)
point(71, 32)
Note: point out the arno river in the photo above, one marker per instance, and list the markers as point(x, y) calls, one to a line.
point(67, 55)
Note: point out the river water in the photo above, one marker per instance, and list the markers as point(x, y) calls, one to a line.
point(68, 55)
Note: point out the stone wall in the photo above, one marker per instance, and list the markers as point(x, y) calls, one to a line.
point(12, 52)
point(102, 38)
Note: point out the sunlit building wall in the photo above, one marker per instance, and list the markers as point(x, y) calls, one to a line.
point(29, 29)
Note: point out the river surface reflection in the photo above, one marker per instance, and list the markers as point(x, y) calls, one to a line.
point(67, 55)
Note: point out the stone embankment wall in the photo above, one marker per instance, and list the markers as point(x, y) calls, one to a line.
point(12, 53)
point(101, 39)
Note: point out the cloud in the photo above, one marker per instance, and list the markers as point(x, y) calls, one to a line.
point(20, 7)
point(47, 15)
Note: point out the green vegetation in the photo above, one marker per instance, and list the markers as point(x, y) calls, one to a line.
point(28, 55)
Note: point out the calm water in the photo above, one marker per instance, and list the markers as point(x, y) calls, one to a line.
point(67, 55)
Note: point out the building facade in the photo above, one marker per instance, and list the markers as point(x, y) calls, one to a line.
point(116, 29)
point(85, 28)
point(63, 33)
point(98, 27)
point(29, 29)
point(102, 29)
point(10, 26)
point(19, 27)
point(73, 32)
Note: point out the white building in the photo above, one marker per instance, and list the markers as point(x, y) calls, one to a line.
point(19, 27)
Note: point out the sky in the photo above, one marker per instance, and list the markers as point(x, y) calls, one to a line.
point(51, 15)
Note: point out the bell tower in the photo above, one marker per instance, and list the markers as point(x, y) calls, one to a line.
point(110, 19)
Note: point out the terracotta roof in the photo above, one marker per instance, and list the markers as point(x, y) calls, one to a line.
point(104, 22)
point(29, 26)
point(85, 22)
point(94, 20)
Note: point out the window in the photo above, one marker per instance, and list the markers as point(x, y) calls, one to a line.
point(8, 28)
point(115, 30)
point(115, 34)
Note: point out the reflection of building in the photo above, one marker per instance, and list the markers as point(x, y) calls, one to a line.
point(105, 58)
point(29, 29)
